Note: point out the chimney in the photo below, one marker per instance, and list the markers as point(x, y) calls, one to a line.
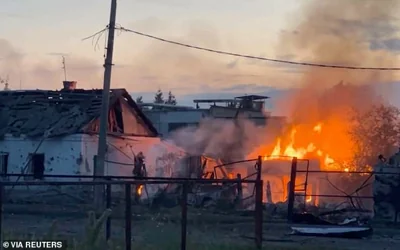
point(69, 85)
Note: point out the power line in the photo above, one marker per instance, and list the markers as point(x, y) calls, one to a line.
point(255, 57)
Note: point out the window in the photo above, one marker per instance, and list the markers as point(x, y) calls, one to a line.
point(3, 164)
point(37, 166)
point(175, 126)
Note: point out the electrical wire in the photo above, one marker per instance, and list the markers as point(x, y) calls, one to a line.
point(96, 37)
point(255, 57)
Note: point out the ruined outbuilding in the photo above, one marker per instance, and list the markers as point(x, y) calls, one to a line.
point(386, 190)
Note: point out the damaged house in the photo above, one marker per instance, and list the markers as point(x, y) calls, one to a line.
point(56, 133)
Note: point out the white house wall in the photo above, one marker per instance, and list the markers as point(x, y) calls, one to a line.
point(63, 156)
point(73, 155)
point(121, 151)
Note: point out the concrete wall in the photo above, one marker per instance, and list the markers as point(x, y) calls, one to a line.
point(162, 119)
point(162, 159)
point(61, 155)
point(74, 154)
point(120, 150)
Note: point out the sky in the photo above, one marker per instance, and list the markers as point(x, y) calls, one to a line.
point(35, 33)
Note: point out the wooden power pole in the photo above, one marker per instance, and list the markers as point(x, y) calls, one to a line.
point(102, 144)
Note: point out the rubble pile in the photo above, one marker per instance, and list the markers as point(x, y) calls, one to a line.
point(386, 190)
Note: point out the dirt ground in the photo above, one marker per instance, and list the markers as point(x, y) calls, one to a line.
point(203, 226)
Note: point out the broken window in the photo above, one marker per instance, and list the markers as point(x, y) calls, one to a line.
point(37, 166)
point(3, 164)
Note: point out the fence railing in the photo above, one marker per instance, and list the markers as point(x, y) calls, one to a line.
point(128, 182)
point(304, 193)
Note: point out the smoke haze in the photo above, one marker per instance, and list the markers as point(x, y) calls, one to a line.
point(339, 32)
point(331, 32)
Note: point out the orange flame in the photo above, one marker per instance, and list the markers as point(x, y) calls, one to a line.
point(310, 150)
point(139, 191)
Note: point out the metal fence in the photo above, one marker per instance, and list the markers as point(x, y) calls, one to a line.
point(355, 197)
point(128, 183)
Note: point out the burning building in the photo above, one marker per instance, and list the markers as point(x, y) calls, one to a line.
point(276, 175)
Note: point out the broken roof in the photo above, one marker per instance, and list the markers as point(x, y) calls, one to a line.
point(37, 113)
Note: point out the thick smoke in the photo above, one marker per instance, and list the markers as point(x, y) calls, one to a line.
point(339, 32)
point(220, 138)
point(331, 32)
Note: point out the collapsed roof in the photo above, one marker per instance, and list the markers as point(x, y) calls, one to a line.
point(42, 113)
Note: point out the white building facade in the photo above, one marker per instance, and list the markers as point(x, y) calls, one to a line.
point(56, 133)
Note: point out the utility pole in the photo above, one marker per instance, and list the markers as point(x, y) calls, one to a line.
point(102, 144)
point(64, 68)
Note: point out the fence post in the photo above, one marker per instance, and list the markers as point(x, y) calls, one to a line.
point(108, 205)
point(292, 186)
point(128, 216)
point(98, 190)
point(239, 191)
point(268, 192)
point(259, 205)
point(184, 215)
point(1, 214)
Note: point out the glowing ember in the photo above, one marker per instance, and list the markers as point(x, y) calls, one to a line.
point(139, 191)
point(318, 128)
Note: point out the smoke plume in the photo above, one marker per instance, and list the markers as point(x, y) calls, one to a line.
point(339, 32)
point(336, 32)
point(220, 138)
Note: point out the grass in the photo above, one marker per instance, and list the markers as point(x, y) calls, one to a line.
point(165, 237)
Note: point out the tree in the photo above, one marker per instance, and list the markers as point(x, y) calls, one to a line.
point(375, 131)
point(171, 99)
point(159, 97)
point(139, 99)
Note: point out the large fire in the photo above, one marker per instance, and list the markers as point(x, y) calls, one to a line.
point(312, 144)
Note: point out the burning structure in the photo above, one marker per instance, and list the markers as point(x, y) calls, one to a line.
point(276, 174)
point(343, 126)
